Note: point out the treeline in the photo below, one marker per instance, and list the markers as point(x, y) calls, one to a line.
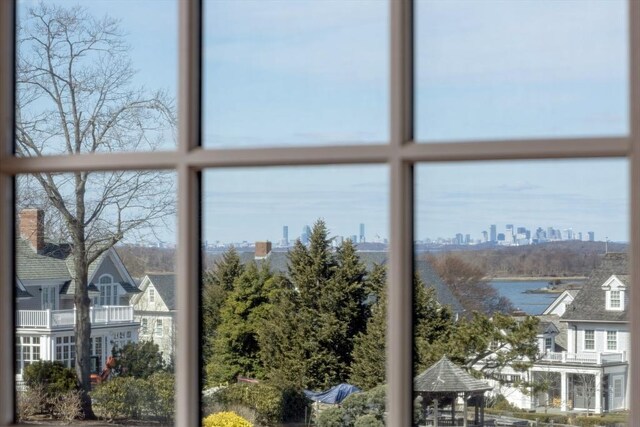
point(323, 322)
point(559, 259)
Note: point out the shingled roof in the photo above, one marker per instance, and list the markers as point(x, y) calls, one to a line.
point(445, 377)
point(589, 304)
point(278, 260)
point(165, 284)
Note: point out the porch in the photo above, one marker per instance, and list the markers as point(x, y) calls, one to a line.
point(592, 358)
point(52, 319)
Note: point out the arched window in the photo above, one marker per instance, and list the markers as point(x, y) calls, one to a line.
point(108, 290)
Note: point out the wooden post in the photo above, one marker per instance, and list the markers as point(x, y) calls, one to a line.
point(435, 412)
point(453, 409)
point(482, 410)
point(464, 409)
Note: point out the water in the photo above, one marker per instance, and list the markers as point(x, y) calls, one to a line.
point(529, 303)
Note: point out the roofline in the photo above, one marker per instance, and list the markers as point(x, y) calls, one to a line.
point(594, 321)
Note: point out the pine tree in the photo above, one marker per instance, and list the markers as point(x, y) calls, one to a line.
point(325, 303)
point(217, 283)
point(369, 357)
point(235, 348)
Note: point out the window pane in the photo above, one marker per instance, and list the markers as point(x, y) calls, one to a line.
point(302, 72)
point(514, 262)
point(493, 69)
point(128, 237)
point(294, 290)
point(96, 76)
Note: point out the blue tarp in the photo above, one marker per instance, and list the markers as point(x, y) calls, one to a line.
point(334, 395)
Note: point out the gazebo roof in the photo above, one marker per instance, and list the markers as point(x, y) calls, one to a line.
point(445, 377)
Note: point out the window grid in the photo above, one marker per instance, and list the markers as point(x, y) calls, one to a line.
point(400, 154)
point(612, 340)
point(615, 299)
point(589, 339)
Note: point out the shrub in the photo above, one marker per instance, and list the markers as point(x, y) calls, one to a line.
point(121, 397)
point(162, 395)
point(67, 406)
point(331, 417)
point(53, 376)
point(225, 419)
point(272, 405)
point(140, 359)
point(30, 402)
point(368, 420)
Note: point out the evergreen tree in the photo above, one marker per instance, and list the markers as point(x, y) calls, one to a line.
point(217, 283)
point(369, 357)
point(235, 348)
point(325, 304)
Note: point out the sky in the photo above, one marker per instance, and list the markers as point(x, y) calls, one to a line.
point(296, 72)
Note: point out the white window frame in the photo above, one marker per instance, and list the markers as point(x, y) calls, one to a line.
point(619, 302)
point(591, 340)
point(158, 330)
point(152, 294)
point(400, 154)
point(612, 340)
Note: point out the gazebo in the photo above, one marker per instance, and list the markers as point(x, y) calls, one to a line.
point(444, 382)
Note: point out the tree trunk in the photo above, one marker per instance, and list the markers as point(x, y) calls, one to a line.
point(83, 325)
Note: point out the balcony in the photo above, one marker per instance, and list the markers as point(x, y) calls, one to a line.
point(595, 358)
point(52, 319)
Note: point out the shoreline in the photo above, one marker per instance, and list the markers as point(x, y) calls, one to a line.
point(534, 279)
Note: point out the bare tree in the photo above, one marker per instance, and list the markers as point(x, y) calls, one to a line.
point(75, 94)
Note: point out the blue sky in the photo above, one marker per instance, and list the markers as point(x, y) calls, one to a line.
point(283, 72)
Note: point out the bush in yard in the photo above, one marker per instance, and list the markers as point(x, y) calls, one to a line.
point(30, 402)
point(368, 420)
point(162, 395)
point(272, 405)
point(53, 376)
point(225, 419)
point(140, 359)
point(331, 417)
point(121, 397)
point(67, 406)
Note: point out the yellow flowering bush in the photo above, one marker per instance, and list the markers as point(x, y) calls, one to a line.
point(225, 419)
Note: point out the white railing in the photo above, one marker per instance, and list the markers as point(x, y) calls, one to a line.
point(59, 318)
point(586, 358)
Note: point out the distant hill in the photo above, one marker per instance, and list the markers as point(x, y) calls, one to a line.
point(567, 258)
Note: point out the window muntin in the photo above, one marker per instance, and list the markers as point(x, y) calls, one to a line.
point(27, 352)
point(548, 344)
point(589, 339)
point(543, 150)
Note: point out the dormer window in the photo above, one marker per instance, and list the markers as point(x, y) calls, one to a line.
point(614, 299)
point(615, 293)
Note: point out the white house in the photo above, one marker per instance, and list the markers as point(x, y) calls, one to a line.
point(155, 309)
point(45, 313)
point(590, 370)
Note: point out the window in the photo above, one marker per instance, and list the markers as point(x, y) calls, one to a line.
point(66, 350)
point(159, 329)
point(144, 326)
point(617, 387)
point(548, 344)
point(400, 154)
point(615, 299)
point(152, 294)
point(589, 339)
point(108, 290)
point(27, 352)
point(612, 340)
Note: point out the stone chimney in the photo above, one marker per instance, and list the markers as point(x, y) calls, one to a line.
point(32, 228)
point(263, 249)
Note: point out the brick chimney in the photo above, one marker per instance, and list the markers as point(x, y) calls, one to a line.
point(32, 228)
point(262, 249)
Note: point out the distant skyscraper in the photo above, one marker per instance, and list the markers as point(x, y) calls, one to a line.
point(493, 234)
point(362, 233)
point(306, 232)
point(592, 236)
point(285, 235)
point(485, 236)
point(467, 239)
